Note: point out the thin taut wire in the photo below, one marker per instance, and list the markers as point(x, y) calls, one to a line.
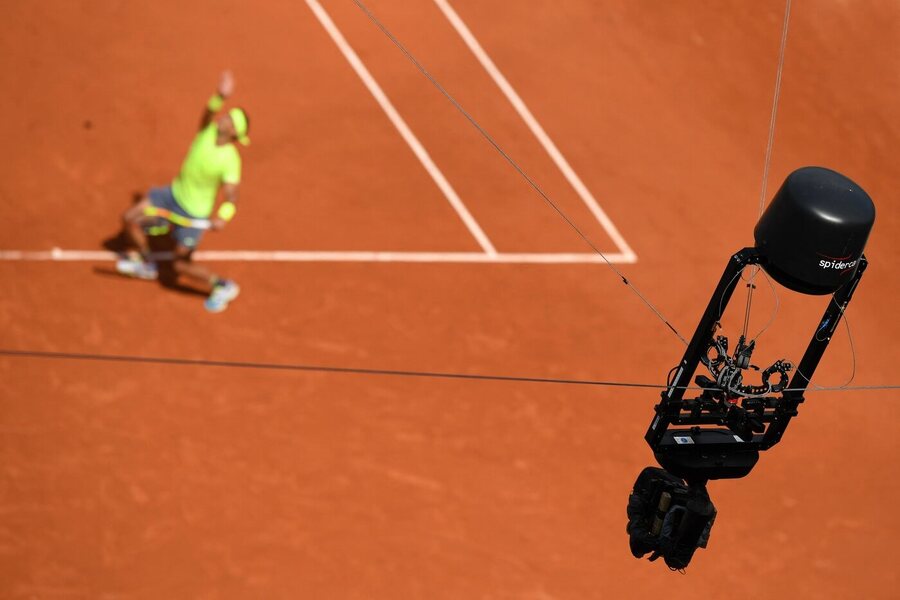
point(234, 364)
point(769, 145)
point(772, 119)
point(514, 164)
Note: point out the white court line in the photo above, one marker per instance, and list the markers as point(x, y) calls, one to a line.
point(538, 131)
point(60, 255)
point(401, 126)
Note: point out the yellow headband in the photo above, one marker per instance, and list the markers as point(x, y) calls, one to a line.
point(240, 125)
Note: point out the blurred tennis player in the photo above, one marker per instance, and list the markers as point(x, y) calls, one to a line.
point(184, 209)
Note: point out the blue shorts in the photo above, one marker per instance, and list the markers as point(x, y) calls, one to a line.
point(162, 197)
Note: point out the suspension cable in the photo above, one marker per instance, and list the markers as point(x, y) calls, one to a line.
point(769, 145)
point(233, 364)
point(772, 119)
point(514, 164)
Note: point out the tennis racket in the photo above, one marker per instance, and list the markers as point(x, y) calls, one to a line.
point(154, 211)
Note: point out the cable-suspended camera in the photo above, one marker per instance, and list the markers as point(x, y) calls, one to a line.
point(810, 240)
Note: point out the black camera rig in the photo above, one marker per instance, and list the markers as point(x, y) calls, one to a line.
point(817, 215)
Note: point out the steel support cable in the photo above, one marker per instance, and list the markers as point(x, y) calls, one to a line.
point(767, 162)
point(514, 164)
point(234, 364)
point(772, 119)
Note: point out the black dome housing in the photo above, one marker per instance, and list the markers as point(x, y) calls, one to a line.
point(814, 231)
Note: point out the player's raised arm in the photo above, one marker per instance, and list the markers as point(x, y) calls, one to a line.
point(225, 89)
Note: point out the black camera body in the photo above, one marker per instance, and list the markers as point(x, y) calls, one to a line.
point(668, 518)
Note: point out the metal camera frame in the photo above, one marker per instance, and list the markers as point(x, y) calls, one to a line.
point(698, 454)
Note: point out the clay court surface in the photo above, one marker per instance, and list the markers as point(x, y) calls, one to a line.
point(123, 480)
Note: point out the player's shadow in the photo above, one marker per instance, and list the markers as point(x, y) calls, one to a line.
point(168, 278)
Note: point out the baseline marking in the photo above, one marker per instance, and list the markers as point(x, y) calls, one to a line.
point(561, 163)
point(401, 126)
point(60, 255)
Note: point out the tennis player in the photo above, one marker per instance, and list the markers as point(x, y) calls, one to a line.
point(184, 209)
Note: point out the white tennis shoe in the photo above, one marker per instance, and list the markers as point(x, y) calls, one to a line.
point(133, 266)
point(222, 294)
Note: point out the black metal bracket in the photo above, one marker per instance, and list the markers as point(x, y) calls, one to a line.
point(683, 434)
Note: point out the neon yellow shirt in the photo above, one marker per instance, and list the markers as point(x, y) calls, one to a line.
point(205, 168)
